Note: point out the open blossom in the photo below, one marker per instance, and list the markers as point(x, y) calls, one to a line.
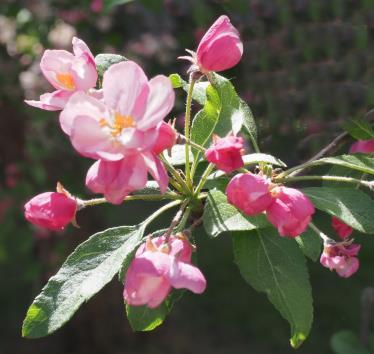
point(341, 257)
point(249, 193)
point(290, 211)
point(219, 49)
point(364, 146)
point(160, 265)
point(226, 153)
point(67, 73)
point(341, 228)
point(51, 210)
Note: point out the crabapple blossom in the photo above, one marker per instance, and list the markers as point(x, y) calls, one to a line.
point(364, 146)
point(67, 73)
point(249, 193)
point(160, 265)
point(51, 210)
point(290, 211)
point(226, 153)
point(341, 228)
point(166, 139)
point(341, 257)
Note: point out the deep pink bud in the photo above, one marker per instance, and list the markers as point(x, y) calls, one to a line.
point(249, 193)
point(226, 153)
point(51, 210)
point(290, 212)
point(160, 265)
point(341, 257)
point(166, 138)
point(341, 228)
point(220, 48)
point(364, 146)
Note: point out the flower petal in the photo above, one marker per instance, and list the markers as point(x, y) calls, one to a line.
point(51, 101)
point(157, 170)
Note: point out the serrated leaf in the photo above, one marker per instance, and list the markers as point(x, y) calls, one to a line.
point(350, 205)
point(277, 267)
point(198, 93)
point(310, 244)
point(87, 270)
point(359, 129)
point(104, 61)
point(346, 342)
point(219, 216)
point(256, 158)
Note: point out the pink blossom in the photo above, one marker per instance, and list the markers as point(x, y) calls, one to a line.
point(125, 121)
point(160, 265)
point(117, 179)
point(364, 146)
point(96, 5)
point(341, 257)
point(341, 228)
point(249, 193)
point(226, 153)
point(67, 73)
point(290, 212)
point(166, 138)
point(51, 210)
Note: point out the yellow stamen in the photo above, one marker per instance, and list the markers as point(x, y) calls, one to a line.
point(120, 123)
point(66, 80)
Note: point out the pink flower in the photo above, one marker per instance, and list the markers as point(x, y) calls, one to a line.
point(290, 212)
point(125, 121)
point(219, 49)
point(160, 265)
point(166, 138)
point(341, 228)
point(364, 146)
point(117, 179)
point(67, 73)
point(249, 193)
point(96, 5)
point(226, 153)
point(341, 257)
point(51, 210)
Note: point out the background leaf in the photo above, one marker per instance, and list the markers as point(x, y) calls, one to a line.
point(352, 206)
point(359, 129)
point(276, 266)
point(346, 342)
point(310, 244)
point(220, 216)
point(86, 271)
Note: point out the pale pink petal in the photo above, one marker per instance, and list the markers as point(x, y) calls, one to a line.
point(187, 276)
point(80, 48)
point(126, 89)
point(160, 102)
point(157, 170)
point(84, 72)
point(54, 101)
point(81, 104)
point(348, 268)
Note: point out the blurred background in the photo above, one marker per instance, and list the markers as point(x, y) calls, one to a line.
point(306, 69)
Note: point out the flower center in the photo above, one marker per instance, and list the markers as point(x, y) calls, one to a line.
point(119, 123)
point(66, 80)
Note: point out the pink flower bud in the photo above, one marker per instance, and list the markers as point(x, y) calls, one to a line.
point(290, 212)
point(341, 228)
point(226, 153)
point(341, 257)
point(51, 210)
point(220, 48)
point(166, 138)
point(160, 265)
point(364, 146)
point(249, 193)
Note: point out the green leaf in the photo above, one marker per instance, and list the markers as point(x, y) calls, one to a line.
point(86, 271)
point(310, 244)
point(337, 170)
point(359, 129)
point(219, 216)
point(108, 4)
point(276, 266)
point(352, 206)
point(104, 61)
point(256, 158)
point(142, 318)
point(177, 156)
point(346, 342)
point(359, 162)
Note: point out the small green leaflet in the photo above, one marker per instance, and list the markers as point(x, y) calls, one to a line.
point(277, 267)
point(104, 61)
point(310, 244)
point(352, 206)
point(359, 129)
point(219, 216)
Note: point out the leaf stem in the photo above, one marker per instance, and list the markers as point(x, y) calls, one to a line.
point(177, 218)
point(184, 140)
point(321, 234)
point(160, 211)
point(176, 176)
point(187, 123)
point(203, 179)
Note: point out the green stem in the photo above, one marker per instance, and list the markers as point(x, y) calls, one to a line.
point(187, 123)
point(176, 175)
point(188, 141)
point(298, 168)
point(203, 179)
point(321, 234)
point(351, 180)
point(160, 211)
